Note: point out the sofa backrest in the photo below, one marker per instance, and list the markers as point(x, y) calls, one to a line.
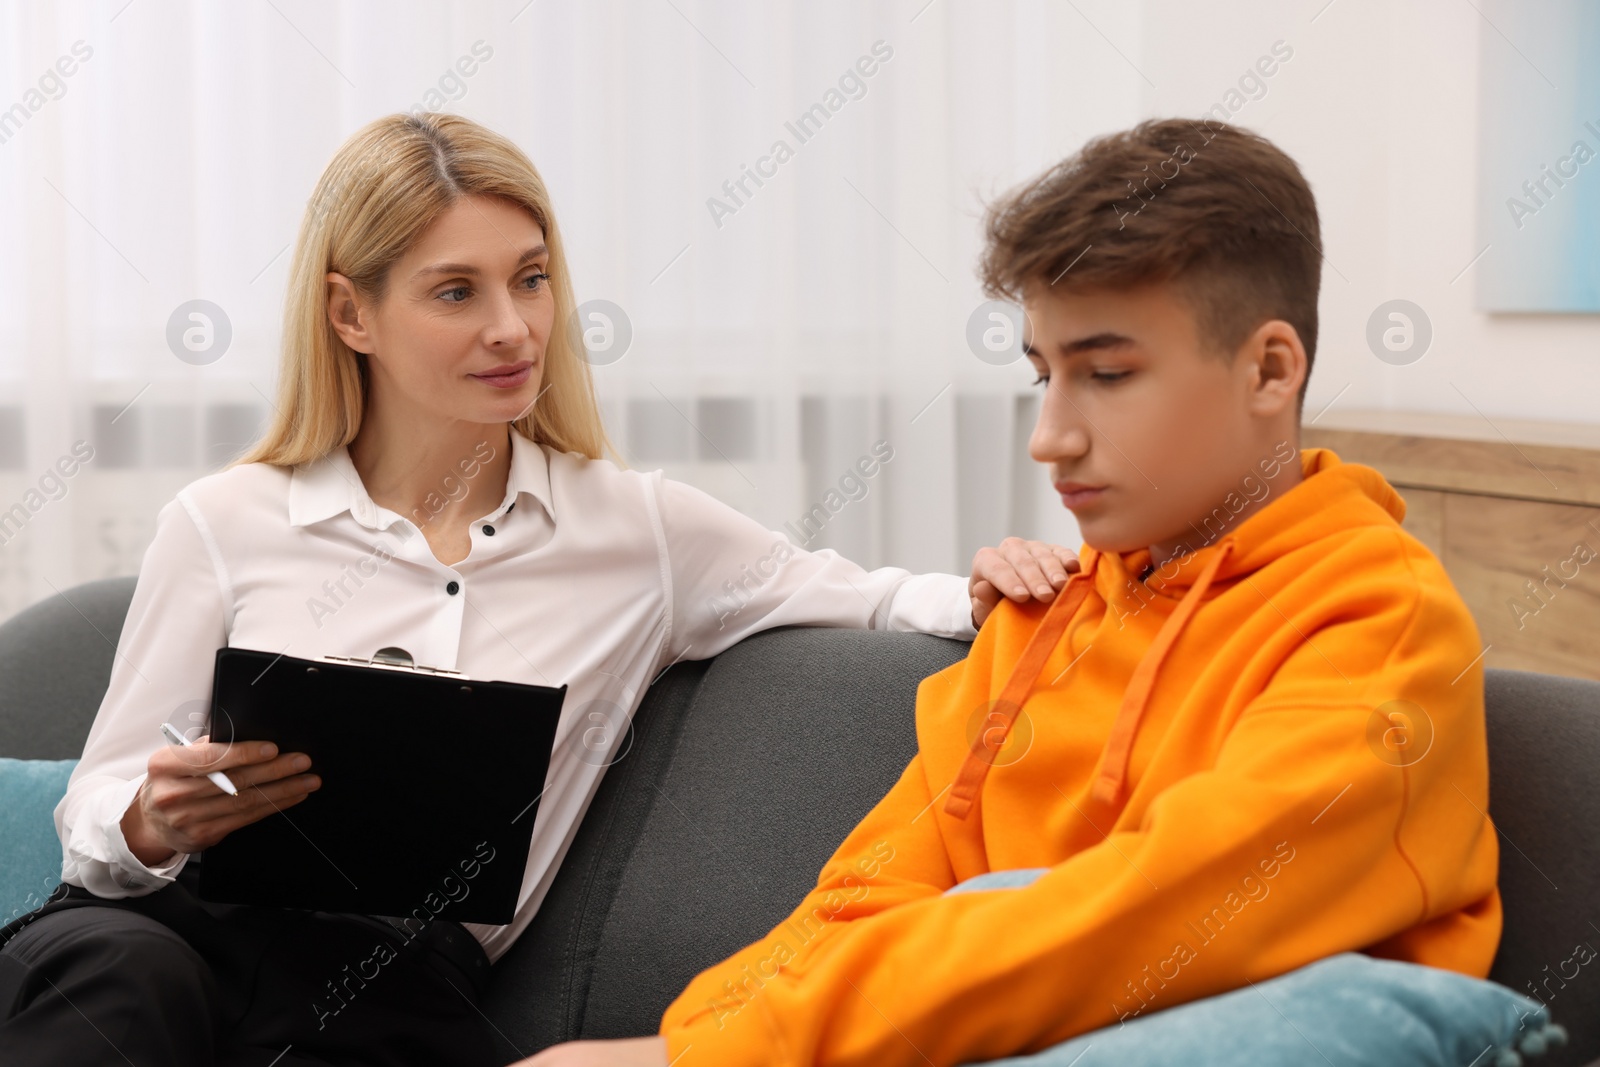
point(1544, 798)
point(743, 775)
point(744, 772)
point(55, 663)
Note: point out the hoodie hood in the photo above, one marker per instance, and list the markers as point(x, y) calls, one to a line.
point(1332, 497)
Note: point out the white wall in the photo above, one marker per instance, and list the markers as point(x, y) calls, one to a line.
point(1379, 105)
point(827, 314)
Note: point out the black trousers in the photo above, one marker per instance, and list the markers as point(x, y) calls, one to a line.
point(169, 980)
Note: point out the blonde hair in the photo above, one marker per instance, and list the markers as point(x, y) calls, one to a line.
point(383, 188)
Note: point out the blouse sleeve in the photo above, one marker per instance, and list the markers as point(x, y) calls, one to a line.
point(162, 673)
point(731, 577)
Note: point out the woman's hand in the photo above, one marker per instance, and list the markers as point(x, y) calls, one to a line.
point(178, 809)
point(628, 1052)
point(1018, 569)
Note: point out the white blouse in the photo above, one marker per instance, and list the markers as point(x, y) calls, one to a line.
point(585, 575)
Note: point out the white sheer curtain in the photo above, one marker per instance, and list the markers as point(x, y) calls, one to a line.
point(775, 339)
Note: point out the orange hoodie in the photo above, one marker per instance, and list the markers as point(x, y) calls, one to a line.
point(1269, 751)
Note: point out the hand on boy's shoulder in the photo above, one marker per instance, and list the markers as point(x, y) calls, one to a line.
point(617, 1052)
point(1017, 570)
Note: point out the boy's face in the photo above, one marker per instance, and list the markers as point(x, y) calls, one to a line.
point(1160, 429)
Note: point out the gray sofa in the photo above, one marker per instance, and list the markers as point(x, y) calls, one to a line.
point(744, 772)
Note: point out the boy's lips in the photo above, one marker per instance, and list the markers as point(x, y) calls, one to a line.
point(1077, 494)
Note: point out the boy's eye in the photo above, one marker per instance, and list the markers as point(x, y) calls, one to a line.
point(1110, 376)
point(1043, 379)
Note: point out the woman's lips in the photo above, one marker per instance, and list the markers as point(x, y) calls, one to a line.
point(506, 381)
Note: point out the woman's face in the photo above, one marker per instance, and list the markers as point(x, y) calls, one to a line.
point(466, 304)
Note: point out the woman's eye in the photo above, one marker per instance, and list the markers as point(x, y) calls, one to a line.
point(536, 279)
point(457, 289)
point(1043, 379)
point(1110, 376)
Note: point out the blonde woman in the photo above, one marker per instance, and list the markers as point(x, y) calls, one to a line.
point(429, 385)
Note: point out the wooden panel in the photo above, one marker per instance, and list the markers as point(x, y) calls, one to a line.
point(1530, 572)
point(1425, 517)
point(1475, 427)
point(1501, 468)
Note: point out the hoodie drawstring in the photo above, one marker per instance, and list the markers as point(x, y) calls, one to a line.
point(1112, 775)
point(987, 744)
point(1112, 772)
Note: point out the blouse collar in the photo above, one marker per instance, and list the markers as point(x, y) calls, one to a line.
point(330, 485)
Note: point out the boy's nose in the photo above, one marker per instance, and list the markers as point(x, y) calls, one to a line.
point(1056, 437)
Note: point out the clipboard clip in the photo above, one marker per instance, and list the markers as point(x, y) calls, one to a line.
point(394, 658)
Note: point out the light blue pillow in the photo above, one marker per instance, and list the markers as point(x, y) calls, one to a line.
point(30, 851)
point(1341, 1011)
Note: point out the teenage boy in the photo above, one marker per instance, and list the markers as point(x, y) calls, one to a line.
point(1247, 735)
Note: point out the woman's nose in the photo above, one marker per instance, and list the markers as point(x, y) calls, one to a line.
point(507, 326)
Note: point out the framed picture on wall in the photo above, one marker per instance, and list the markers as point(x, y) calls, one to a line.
point(1539, 156)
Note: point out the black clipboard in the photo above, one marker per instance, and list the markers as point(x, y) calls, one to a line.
point(430, 785)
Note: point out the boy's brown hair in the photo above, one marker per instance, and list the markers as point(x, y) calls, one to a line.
point(1217, 210)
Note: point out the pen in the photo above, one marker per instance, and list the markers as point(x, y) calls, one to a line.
point(218, 779)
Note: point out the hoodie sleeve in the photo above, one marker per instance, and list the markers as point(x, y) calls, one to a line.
point(1314, 832)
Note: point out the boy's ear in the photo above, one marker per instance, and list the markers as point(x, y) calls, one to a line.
point(344, 313)
point(1277, 363)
